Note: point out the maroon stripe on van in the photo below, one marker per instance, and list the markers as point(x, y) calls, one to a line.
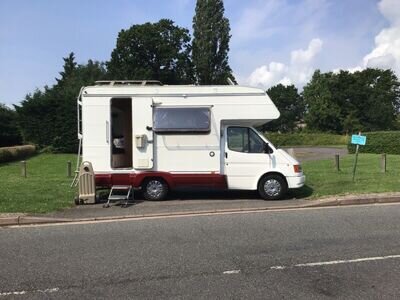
point(174, 180)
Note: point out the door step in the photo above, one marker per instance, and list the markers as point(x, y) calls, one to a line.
point(120, 193)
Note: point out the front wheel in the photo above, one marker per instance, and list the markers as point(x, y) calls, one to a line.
point(272, 187)
point(155, 189)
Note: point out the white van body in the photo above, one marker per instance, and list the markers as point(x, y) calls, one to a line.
point(182, 136)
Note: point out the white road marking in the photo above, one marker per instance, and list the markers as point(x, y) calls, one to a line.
point(12, 293)
point(278, 267)
point(51, 290)
point(232, 272)
point(336, 262)
point(198, 214)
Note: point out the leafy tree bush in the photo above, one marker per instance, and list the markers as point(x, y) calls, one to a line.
point(307, 139)
point(8, 154)
point(211, 43)
point(159, 51)
point(9, 132)
point(48, 117)
point(379, 142)
point(345, 102)
point(291, 106)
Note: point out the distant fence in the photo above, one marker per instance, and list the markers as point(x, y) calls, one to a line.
point(8, 154)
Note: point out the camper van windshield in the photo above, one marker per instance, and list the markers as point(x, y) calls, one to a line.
point(181, 119)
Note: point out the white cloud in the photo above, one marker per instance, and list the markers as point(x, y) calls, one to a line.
point(304, 57)
point(386, 53)
point(298, 72)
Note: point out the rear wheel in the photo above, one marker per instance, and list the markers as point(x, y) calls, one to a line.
point(272, 187)
point(155, 189)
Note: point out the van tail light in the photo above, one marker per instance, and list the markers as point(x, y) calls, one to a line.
point(297, 168)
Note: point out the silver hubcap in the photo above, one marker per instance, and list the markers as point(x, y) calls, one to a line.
point(154, 188)
point(272, 187)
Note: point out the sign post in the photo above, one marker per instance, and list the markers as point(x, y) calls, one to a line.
point(357, 140)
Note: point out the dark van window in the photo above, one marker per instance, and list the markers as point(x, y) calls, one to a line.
point(181, 119)
point(244, 139)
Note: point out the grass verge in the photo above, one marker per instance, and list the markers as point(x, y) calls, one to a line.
point(323, 180)
point(45, 189)
point(47, 186)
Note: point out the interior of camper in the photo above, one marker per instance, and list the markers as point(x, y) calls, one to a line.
point(121, 133)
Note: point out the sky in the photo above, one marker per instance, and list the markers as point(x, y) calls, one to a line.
point(273, 41)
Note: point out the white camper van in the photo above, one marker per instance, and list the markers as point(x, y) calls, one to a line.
point(157, 138)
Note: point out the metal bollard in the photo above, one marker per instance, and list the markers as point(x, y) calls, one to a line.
point(383, 163)
point(69, 168)
point(337, 165)
point(23, 168)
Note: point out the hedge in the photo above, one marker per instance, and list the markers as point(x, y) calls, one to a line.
point(307, 139)
point(379, 142)
point(17, 152)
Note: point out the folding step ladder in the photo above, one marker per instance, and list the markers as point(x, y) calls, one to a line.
point(120, 195)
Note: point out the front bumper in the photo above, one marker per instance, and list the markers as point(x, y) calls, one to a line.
point(295, 182)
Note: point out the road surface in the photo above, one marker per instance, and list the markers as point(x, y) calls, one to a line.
point(343, 252)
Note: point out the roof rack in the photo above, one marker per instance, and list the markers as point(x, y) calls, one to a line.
point(128, 82)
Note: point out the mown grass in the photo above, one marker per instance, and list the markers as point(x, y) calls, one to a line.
point(323, 180)
point(47, 187)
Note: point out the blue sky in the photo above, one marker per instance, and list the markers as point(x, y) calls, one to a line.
point(272, 40)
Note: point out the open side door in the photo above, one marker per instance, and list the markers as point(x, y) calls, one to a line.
point(142, 115)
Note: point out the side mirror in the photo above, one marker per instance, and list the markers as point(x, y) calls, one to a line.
point(267, 149)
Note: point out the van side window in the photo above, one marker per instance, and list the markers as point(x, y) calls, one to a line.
point(243, 139)
point(182, 119)
point(238, 139)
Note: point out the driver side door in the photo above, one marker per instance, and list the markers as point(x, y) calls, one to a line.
point(245, 159)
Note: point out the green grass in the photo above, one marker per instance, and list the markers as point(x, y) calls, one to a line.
point(323, 180)
point(45, 189)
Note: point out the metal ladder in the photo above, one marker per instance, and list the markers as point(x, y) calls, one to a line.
point(119, 196)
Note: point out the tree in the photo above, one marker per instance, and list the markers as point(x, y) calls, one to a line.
point(48, 117)
point(211, 43)
point(9, 132)
point(345, 102)
point(378, 102)
point(323, 113)
point(159, 51)
point(291, 106)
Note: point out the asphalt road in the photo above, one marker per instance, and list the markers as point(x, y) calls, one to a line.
point(344, 252)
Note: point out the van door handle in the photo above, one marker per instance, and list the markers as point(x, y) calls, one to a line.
point(107, 132)
point(226, 154)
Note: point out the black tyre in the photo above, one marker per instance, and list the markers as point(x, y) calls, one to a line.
point(155, 189)
point(272, 187)
point(76, 200)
